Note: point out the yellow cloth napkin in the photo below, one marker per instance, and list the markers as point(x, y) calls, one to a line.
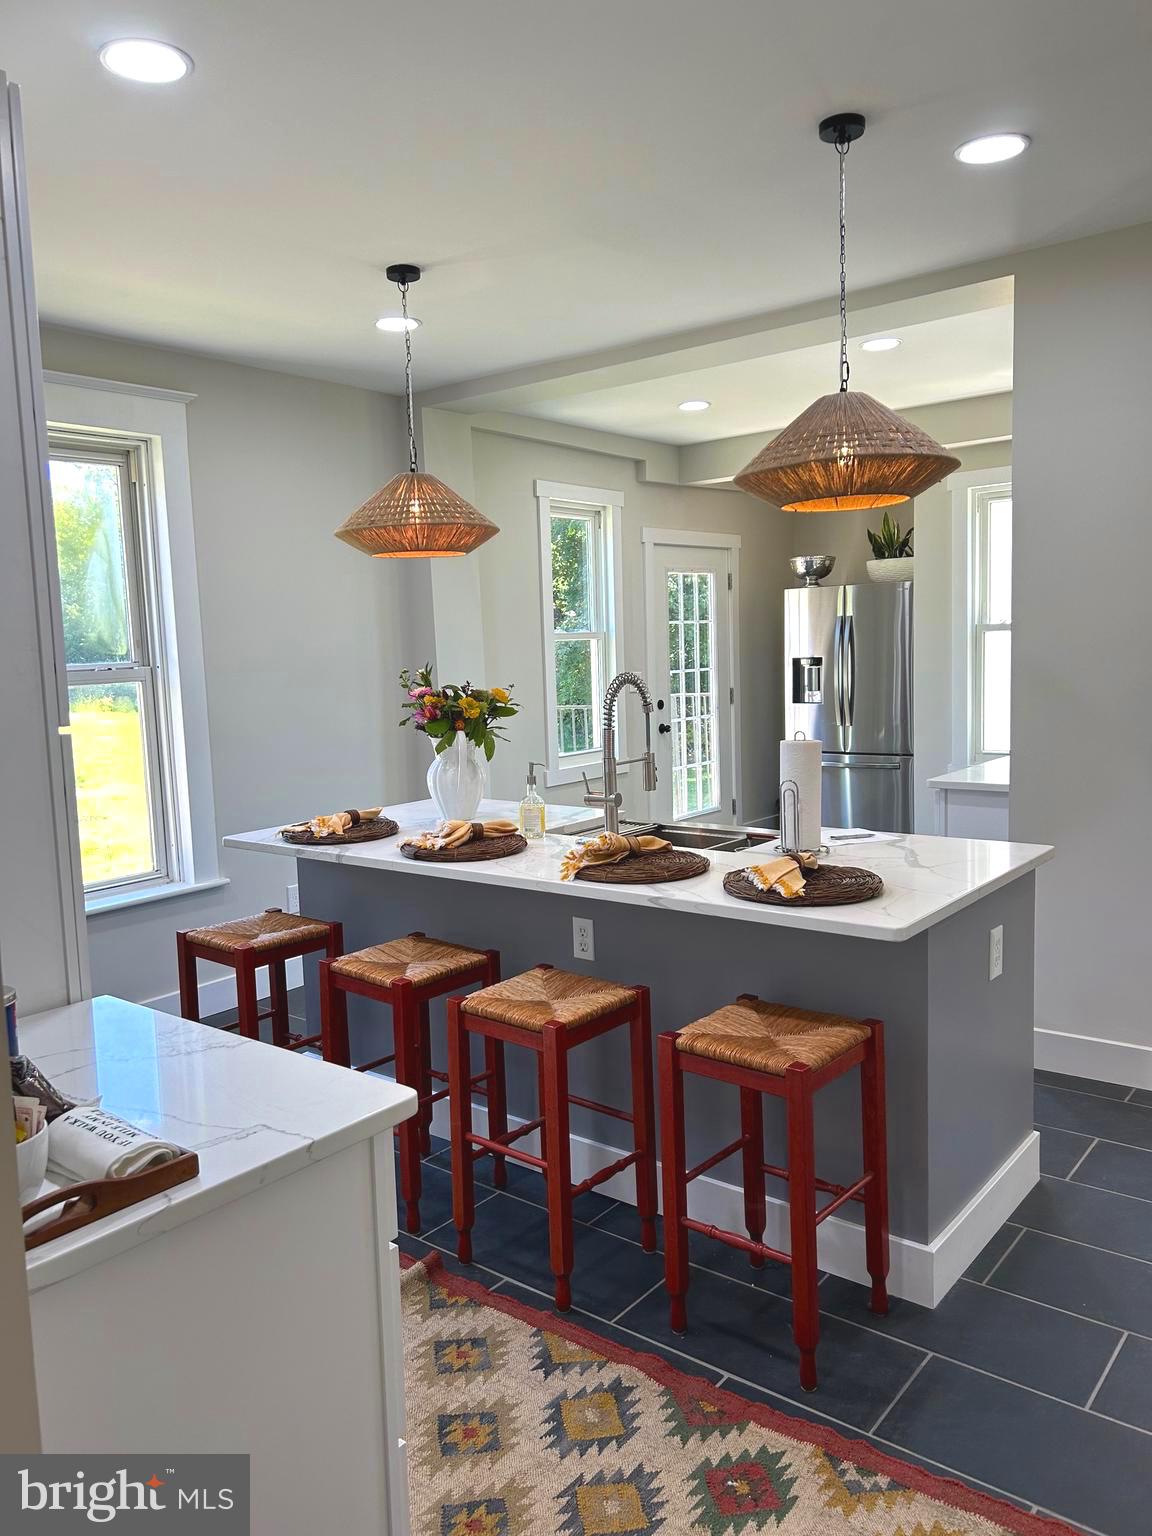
point(454, 834)
point(333, 826)
point(607, 848)
point(782, 874)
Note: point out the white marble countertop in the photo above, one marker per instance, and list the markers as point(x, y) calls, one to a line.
point(993, 775)
point(926, 879)
point(252, 1112)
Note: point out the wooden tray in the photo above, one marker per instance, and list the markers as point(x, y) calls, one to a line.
point(832, 885)
point(85, 1203)
point(366, 832)
point(478, 849)
point(646, 868)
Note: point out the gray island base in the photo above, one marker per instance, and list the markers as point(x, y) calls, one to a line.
point(962, 1148)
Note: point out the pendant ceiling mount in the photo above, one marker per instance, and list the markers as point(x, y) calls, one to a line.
point(415, 515)
point(847, 451)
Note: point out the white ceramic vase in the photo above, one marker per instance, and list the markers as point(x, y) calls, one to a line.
point(902, 569)
point(458, 779)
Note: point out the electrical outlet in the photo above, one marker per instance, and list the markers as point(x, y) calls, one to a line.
point(293, 904)
point(583, 939)
point(995, 952)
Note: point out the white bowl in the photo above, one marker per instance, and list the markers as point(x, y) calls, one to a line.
point(32, 1164)
point(902, 569)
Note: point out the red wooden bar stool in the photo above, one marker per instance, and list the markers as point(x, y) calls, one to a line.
point(789, 1052)
point(550, 1012)
point(246, 943)
point(406, 974)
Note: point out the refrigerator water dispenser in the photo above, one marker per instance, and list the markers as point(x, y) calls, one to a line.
point(807, 675)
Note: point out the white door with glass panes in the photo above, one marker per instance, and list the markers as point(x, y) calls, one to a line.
point(690, 603)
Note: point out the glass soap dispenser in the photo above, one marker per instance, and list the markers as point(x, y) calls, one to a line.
point(532, 807)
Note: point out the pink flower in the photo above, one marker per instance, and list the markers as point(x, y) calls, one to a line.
point(429, 712)
point(419, 693)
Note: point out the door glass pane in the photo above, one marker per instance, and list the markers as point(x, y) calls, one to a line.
point(996, 705)
point(691, 603)
point(89, 516)
point(572, 582)
point(998, 600)
point(577, 690)
point(108, 747)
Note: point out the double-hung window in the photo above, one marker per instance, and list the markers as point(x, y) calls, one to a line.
point(579, 533)
point(984, 513)
point(113, 643)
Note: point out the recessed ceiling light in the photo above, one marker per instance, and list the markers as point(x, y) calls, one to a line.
point(992, 148)
point(397, 323)
point(143, 59)
point(695, 405)
point(880, 344)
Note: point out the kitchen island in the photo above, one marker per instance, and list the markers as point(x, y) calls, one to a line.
point(962, 1148)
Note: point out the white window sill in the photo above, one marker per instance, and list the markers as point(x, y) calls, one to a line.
point(117, 901)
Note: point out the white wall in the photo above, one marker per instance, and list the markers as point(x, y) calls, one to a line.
point(303, 636)
point(1082, 658)
point(505, 469)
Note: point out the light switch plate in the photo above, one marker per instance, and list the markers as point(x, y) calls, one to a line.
point(996, 952)
point(583, 939)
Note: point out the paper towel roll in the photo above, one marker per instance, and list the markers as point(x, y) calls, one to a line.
point(800, 765)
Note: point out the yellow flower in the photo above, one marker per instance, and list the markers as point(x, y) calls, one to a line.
point(470, 707)
point(500, 695)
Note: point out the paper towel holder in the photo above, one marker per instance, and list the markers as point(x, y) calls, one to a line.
point(790, 805)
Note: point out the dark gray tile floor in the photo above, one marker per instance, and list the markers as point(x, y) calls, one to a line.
point(1032, 1379)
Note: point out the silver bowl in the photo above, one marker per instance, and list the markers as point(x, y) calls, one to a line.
point(812, 568)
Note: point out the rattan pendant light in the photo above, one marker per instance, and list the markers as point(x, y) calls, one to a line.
point(846, 451)
point(414, 515)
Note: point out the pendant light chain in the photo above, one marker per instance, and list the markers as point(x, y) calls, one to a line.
point(842, 147)
point(413, 462)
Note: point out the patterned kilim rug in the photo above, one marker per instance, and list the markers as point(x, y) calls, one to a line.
point(521, 1423)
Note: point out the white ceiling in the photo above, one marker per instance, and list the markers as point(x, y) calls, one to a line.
point(574, 176)
point(951, 358)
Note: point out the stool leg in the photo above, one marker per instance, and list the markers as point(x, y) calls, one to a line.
point(425, 1111)
point(333, 1018)
point(278, 989)
point(406, 1035)
point(558, 1156)
point(335, 940)
point(246, 1003)
point(189, 992)
point(674, 1167)
point(460, 1099)
point(876, 1163)
point(497, 1105)
point(802, 1210)
point(644, 1119)
point(755, 1205)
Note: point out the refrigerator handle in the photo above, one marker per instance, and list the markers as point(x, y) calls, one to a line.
point(838, 669)
point(850, 667)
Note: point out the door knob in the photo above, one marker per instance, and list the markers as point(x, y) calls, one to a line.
point(663, 729)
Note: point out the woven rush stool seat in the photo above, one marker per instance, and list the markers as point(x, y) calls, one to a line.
point(263, 930)
point(551, 1013)
point(770, 1037)
point(246, 943)
point(541, 996)
point(405, 975)
point(773, 1050)
point(415, 958)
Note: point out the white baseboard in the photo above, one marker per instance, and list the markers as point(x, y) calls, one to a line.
point(220, 993)
point(921, 1272)
point(1112, 1061)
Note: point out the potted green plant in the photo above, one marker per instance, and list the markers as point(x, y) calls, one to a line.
point(892, 552)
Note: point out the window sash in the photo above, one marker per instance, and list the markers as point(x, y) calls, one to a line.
point(981, 500)
point(145, 647)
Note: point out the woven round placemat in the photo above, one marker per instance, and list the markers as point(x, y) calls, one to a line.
point(366, 832)
point(468, 853)
point(832, 885)
point(647, 868)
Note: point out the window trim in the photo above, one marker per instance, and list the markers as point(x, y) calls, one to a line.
point(971, 492)
point(554, 496)
point(158, 418)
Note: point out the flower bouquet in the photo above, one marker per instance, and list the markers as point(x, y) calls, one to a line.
point(442, 713)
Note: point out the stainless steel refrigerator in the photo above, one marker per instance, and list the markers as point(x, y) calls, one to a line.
point(848, 683)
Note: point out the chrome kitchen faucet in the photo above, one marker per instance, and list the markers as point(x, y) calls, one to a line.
point(611, 798)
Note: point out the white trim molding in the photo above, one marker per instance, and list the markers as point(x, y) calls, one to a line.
point(1110, 1061)
point(117, 387)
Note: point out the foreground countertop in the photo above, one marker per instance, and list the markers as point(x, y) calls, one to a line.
point(253, 1113)
point(994, 775)
point(926, 879)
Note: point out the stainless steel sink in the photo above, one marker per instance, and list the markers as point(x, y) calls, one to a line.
point(701, 835)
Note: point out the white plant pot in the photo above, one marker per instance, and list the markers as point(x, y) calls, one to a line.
point(458, 780)
point(892, 570)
